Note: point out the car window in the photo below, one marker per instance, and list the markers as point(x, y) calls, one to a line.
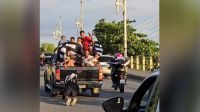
point(146, 98)
point(105, 59)
point(140, 93)
point(152, 105)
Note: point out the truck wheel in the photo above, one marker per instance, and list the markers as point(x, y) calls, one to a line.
point(52, 93)
point(121, 88)
point(96, 92)
point(46, 89)
point(115, 87)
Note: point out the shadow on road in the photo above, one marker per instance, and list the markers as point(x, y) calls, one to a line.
point(45, 97)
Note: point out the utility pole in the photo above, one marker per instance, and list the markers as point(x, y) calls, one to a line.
point(81, 28)
point(123, 5)
point(58, 33)
point(60, 26)
point(125, 29)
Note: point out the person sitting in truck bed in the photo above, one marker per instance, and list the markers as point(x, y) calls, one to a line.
point(96, 63)
point(76, 50)
point(69, 58)
point(88, 59)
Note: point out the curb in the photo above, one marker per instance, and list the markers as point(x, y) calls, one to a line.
point(135, 77)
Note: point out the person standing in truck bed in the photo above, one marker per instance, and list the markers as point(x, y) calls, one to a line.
point(86, 40)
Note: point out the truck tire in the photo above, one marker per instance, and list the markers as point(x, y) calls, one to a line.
point(121, 88)
point(46, 89)
point(52, 93)
point(96, 92)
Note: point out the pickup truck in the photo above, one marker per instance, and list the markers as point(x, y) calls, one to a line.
point(87, 78)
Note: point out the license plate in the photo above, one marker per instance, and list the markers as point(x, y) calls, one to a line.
point(122, 81)
point(81, 86)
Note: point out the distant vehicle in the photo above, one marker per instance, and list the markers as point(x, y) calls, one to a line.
point(45, 58)
point(104, 59)
point(149, 87)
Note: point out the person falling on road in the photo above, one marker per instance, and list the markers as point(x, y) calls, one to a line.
point(71, 90)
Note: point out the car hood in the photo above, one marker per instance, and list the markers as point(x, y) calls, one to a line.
point(104, 64)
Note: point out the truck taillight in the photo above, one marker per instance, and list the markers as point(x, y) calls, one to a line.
point(57, 74)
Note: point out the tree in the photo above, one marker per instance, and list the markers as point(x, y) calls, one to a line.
point(111, 36)
point(47, 47)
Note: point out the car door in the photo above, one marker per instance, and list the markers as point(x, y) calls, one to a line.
point(146, 87)
point(153, 103)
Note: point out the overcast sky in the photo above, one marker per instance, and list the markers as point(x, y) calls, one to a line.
point(145, 12)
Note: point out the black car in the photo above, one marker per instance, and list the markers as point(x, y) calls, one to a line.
point(148, 90)
point(45, 58)
point(48, 58)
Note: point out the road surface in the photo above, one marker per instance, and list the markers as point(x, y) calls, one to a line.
point(85, 103)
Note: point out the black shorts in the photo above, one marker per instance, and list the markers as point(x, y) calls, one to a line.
point(71, 90)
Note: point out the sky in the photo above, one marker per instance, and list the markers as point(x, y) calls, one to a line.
point(145, 12)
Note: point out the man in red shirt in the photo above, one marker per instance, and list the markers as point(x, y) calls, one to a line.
point(86, 40)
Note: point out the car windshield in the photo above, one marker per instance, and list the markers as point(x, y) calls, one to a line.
point(105, 59)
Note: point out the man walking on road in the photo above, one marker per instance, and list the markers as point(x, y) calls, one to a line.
point(86, 40)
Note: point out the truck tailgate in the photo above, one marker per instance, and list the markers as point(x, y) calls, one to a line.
point(83, 73)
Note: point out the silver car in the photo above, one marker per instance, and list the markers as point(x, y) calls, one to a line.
point(104, 59)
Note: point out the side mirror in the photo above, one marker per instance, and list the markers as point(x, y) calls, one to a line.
point(113, 105)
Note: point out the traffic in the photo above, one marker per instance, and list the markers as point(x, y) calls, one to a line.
point(77, 67)
point(79, 61)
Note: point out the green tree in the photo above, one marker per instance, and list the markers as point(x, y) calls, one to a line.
point(47, 47)
point(110, 35)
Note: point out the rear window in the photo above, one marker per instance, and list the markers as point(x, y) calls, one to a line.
point(105, 59)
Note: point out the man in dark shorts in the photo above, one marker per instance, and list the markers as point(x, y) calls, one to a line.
point(71, 90)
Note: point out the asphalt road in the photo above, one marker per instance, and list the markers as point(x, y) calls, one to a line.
point(85, 103)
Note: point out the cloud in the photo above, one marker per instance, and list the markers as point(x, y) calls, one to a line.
point(51, 10)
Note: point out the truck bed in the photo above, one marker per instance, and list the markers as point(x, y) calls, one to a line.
point(83, 73)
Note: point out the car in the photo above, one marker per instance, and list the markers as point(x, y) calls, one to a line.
point(145, 99)
point(48, 58)
point(104, 59)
